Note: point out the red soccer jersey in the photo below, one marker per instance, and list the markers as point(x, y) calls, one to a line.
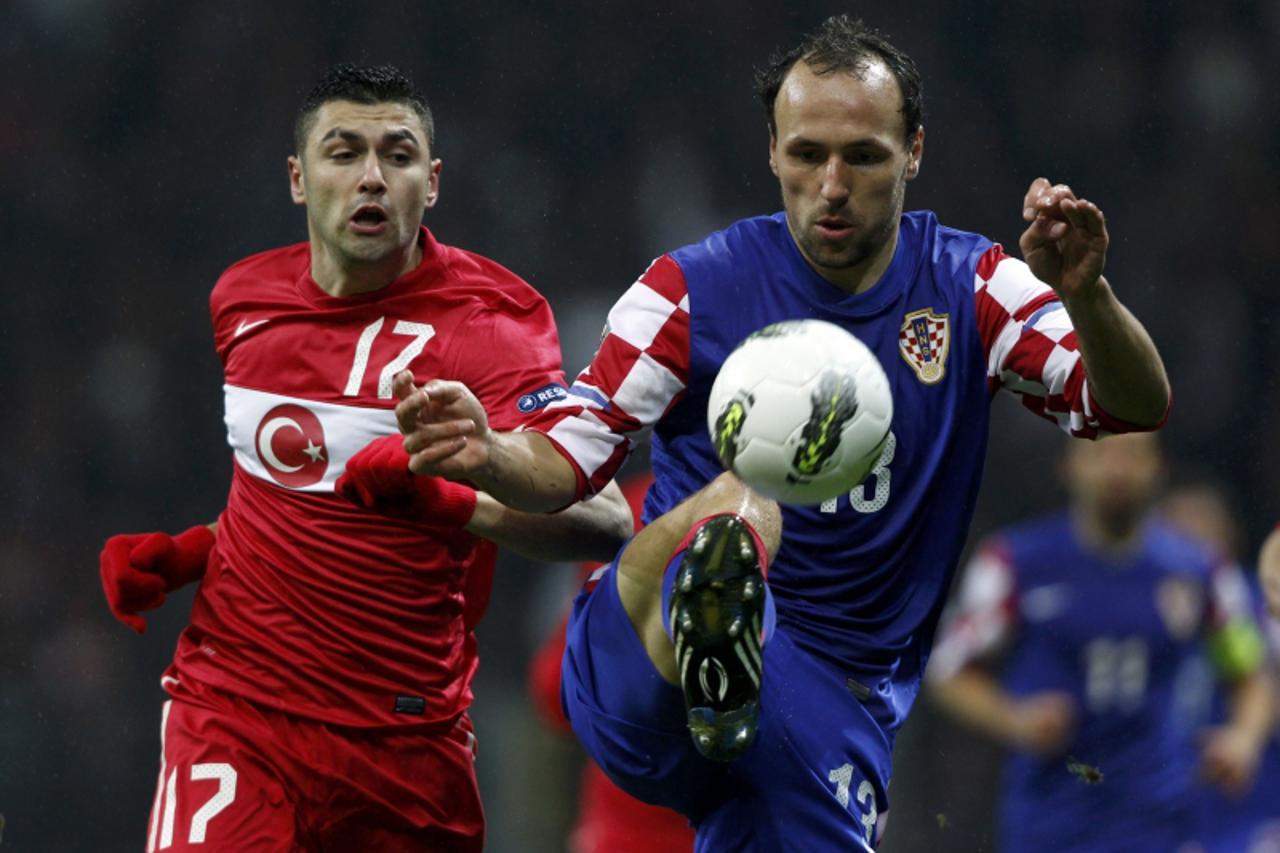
point(312, 605)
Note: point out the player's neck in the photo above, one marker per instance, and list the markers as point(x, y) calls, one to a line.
point(344, 277)
point(865, 275)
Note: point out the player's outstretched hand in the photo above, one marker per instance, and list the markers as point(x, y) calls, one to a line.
point(1046, 723)
point(445, 428)
point(1066, 240)
point(1229, 758)
point(378, 478)
point(139, 569)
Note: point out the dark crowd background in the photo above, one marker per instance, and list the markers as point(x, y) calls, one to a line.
point(143, 150)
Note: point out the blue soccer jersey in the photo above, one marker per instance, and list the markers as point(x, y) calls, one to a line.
point(859, 582)
point(1112, 632)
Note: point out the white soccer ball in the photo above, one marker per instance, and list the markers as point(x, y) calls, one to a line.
point(800, 411)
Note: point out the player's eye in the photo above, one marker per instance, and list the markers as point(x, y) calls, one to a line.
point(343, 155)
point(807, 155)
point(865, 157)
point(400, 158)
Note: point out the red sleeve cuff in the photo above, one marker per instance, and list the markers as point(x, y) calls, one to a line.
point(1113, 424)
point(582, 485)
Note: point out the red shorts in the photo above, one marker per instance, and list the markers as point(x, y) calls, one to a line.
point(234, 776)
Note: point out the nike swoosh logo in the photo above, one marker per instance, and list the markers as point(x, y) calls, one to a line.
point(246, 326)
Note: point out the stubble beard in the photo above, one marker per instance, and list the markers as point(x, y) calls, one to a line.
point(864, 245)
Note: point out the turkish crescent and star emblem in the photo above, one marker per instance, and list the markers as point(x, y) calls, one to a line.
point(290, 445)
point(924, 341)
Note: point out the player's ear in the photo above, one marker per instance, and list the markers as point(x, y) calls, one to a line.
point(916, 154)
point(773, 152)
point(433, 184)
point(297, 186)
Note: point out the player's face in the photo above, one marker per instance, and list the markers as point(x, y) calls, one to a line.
point(1114, 478)
point(843, 162)
point(366, 176)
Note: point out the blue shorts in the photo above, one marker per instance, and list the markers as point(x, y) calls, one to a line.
point(815, 779)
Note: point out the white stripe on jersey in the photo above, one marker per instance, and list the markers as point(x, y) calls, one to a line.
point(157, 802)
point(647, 390)
point(588, 438)
point(1012, 285)
point(979, 620)
point(640, 314)
point(347, 429)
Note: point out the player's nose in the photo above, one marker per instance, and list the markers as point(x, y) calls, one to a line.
point(372, 179)
point(836, 180)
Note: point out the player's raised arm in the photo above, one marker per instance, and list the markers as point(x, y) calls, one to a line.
point(1065, 244)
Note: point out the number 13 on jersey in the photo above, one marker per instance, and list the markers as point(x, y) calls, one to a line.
point(877, 484)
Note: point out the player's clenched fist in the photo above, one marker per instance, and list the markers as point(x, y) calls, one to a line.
point(378, 478)
point(139, 569)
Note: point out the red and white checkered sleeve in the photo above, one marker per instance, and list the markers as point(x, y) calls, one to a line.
point(1031, 348)
point(639, 372)
point(983, 616)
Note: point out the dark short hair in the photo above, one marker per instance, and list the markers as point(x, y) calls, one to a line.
point(364, 84)
point(844, 44)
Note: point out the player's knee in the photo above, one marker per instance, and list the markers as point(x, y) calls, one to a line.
point(726, 493)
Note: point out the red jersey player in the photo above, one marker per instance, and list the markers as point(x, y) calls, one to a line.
point(609, 820)
point(319, 696)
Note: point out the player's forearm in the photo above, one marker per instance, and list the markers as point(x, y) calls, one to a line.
point(589, 530)
point(526, 472)
point(1126, 374)
point(977, 700)
point(1252, 706)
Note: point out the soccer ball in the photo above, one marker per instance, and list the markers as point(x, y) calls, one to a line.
point(800, 411)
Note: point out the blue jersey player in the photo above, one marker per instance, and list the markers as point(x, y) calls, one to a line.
point(793, 689)
point(1235, 816)
point(1094, 614)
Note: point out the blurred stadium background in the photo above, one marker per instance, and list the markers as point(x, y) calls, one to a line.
point(143, 150)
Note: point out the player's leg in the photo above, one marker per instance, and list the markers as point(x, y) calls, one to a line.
point(397, 791)
point(692, 584)
point(818, 775)
point(218, 790)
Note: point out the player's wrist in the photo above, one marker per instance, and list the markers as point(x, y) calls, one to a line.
point(1086, 300)
point(445, 503)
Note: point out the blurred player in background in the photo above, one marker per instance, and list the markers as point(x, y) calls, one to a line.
point(857, 583)
point(607, 820)
point(319, 695)
point(1093, 614)
point(1245, 821)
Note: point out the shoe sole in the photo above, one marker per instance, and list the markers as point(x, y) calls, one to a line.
point(717, 608)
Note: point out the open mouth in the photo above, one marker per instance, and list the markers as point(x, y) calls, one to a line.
point(834, 229)
point(369, 219)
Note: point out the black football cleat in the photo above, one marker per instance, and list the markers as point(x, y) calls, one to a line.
point(717, 609)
